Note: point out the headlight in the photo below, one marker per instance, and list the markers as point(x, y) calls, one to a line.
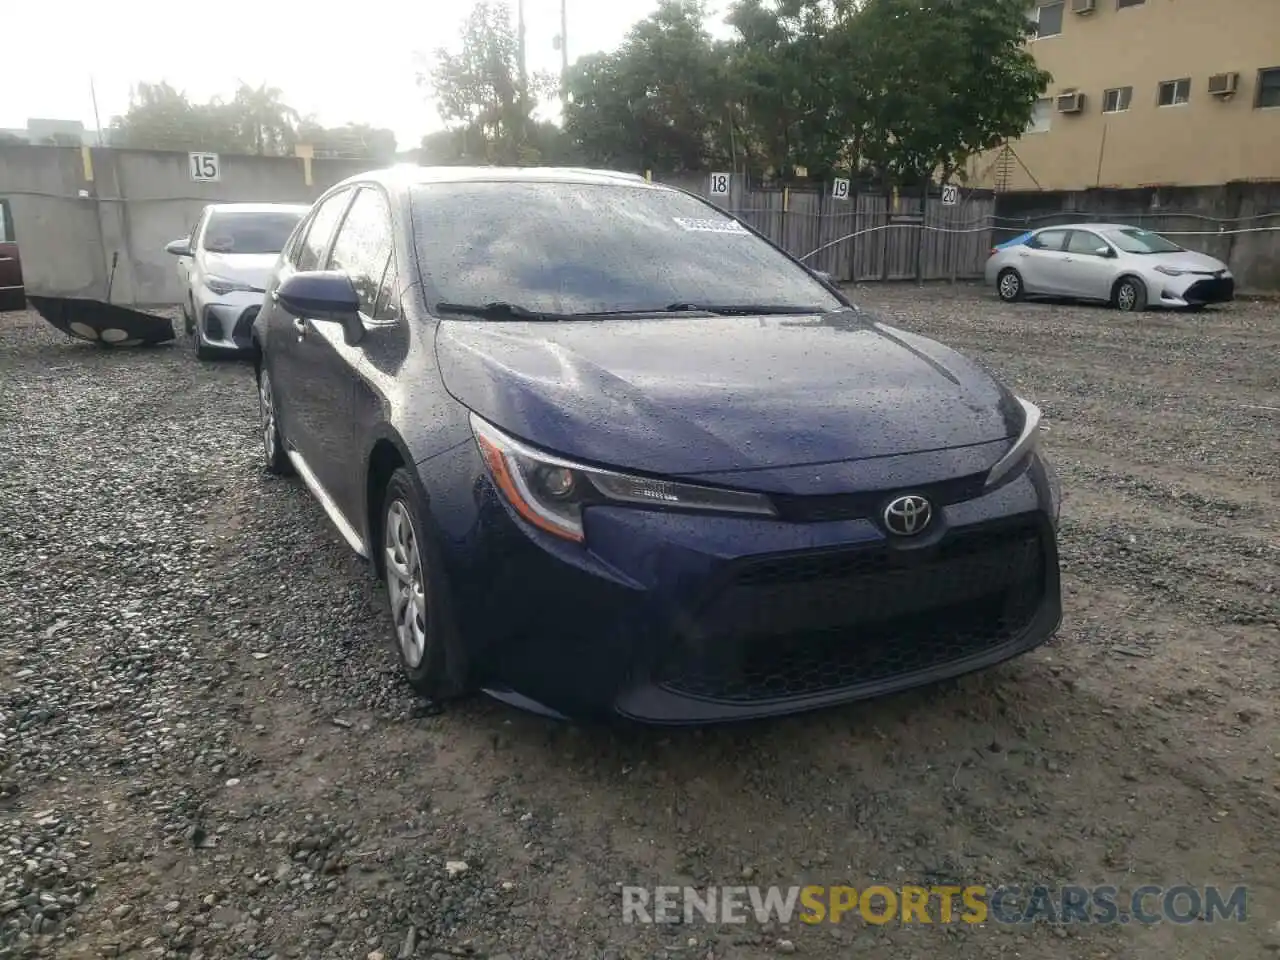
point(551, 492)
point(1169, 271)
point(1028, 441)
point(221, 285)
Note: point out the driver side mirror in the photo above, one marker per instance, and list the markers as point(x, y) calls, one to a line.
point(179, 248)
point(823, 276)
point(1106, 252)
point(323, 295)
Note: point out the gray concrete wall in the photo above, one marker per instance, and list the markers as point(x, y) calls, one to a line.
point(1239, 223)
point(136, 202)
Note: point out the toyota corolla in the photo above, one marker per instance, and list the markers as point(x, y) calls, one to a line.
point(615, 453)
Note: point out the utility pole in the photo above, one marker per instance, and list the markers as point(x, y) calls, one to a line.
point(97, 121)
point(564, 51)
point(524, 75)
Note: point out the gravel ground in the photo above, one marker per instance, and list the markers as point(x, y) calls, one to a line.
point(205, 750)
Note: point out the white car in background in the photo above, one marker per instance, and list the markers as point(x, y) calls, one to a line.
point(1128, 267)
point(224, 267)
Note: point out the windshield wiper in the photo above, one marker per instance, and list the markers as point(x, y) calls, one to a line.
point(505, 310)
point(498, 310)
point(741, 309)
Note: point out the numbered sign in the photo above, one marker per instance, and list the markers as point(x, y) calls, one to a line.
point(720, 184)
point(950, 194)
point(840, 189)
point(205, 166)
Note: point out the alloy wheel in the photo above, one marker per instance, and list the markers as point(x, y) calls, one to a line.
point(1126, 297)
point(1009, 286)
point(267, 415)
point(406, 587)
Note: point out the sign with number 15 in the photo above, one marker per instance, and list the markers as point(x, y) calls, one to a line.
point(204, 166)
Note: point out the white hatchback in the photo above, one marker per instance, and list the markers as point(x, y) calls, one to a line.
point(224, 267)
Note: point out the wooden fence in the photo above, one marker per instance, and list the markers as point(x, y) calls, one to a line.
point(864, 238)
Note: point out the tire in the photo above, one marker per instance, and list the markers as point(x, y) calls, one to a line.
point(274, 453)
point(1009, 285)
point(1130, 295)
point(418, 601)
point(203, 352)
point(188, 318)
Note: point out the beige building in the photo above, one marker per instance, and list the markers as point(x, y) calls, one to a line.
point(1149, 93)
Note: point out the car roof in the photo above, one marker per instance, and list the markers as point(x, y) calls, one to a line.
point(407, 175)
point(1092, 226)
point(260, 207)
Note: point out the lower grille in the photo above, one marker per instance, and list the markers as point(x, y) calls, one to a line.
point(212, 326)
point(796, 626)
point(244, 325)
point(1217, 290)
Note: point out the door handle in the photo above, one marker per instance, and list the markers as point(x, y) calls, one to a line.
point(6, 259)
point(300, 326)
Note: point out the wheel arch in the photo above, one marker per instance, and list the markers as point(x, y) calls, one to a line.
point(1127, 275)
point(387, 454)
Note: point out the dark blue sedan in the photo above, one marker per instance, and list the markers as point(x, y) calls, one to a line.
point(615, 453)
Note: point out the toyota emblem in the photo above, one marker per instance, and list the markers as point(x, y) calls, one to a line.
point(907, 516)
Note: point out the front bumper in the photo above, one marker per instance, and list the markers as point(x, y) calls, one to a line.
point(226, 321)
point(1196, 290)
point(693, 619)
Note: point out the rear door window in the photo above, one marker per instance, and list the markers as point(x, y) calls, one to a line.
point(1048, 240)
point(312, 250)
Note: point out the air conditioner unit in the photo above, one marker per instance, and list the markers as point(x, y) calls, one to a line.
point(1083, 6)
point(1223, 84)
point(1071, 102)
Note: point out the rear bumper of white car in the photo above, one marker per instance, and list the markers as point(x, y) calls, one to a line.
point(226, 321)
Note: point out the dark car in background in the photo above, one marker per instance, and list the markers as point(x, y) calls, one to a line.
point(616, 453)
point(13, 294)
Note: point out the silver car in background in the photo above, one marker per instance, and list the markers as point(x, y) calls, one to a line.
point(224, 267)
point(1128, 267)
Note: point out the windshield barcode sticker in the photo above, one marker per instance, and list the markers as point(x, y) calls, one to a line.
point(710, 226)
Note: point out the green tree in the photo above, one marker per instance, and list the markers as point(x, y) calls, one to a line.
point(262, 121)
point(940, 81)
point(792, 105)
point(352, 140)
point(659, 101)
point(160, 117)
point(479, 88)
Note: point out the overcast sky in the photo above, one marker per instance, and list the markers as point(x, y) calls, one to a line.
point(349, 62)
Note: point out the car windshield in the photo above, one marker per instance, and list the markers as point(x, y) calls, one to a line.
point(1141, 241)
point(575, 248)
point(240, 231)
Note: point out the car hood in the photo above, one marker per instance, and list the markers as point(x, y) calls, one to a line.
point(1186, 260)
point(251, 268)
point(695, 395)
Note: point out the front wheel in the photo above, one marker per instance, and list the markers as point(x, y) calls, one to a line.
point(1130, 295)
point(417, 594)
point(1009, 285)
point(275, 456)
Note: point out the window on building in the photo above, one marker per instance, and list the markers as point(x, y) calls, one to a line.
point(1046, 19)
point(1041, 116)
point(1175, 92)
point(1121, 4)
point(1117, 99)
point(1269, 87)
